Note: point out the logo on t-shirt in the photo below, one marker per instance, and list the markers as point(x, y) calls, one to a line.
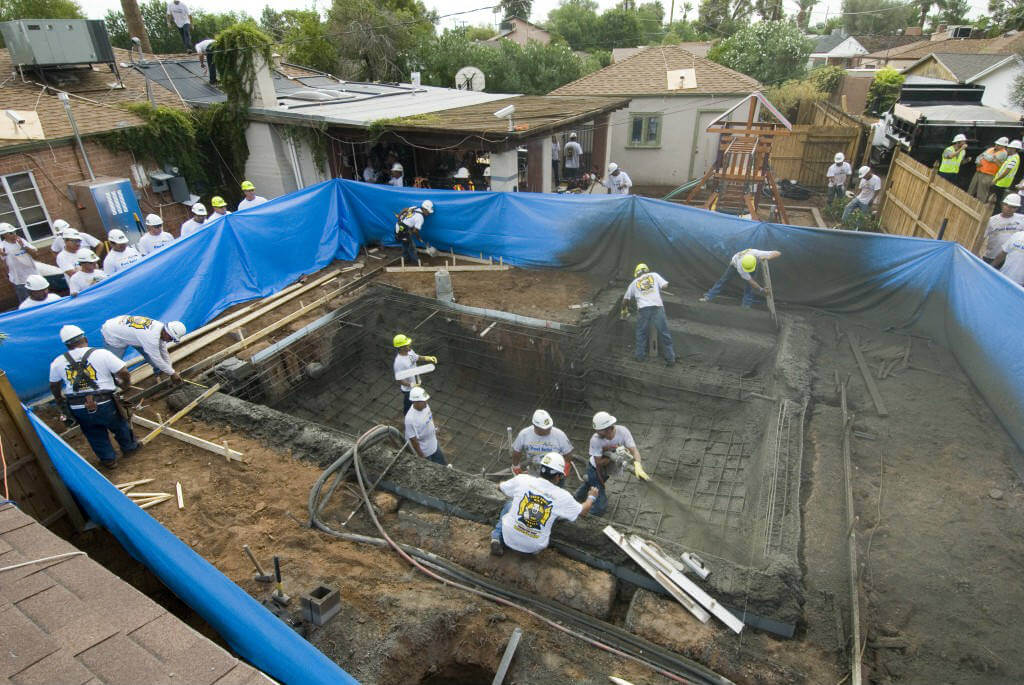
point(645, 284)
point(141, 323)
point(534, 511)
point(80, 377)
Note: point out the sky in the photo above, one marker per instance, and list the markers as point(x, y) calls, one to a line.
point(97, 9)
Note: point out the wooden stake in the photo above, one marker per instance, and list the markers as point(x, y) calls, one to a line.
point(182, 412)
point(154, 502)
point(125, 487)
point(181, 499)
point(229, 454)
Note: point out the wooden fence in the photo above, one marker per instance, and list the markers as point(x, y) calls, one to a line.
point(806, 154)
point(916, 200)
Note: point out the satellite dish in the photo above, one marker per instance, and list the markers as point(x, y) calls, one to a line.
point(469, 78)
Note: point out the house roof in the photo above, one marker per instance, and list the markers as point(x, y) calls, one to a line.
point(828, 42)
point(645, 74)
point(71, 620)
point(93, 101)
point(183, 74)
point(699, 48)
point(875, 43)
point(965, 67)
point(923, 48)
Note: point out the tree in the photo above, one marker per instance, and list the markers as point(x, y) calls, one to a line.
point(575, 21)
point(952, 12)
point(40, 9)
point(924, 6)
point(769, 51)
point(305, 40)
point(651, 16)
point(770, 10)
point(680, 32)
point(884, 90)
point(479, 32)
point(618, 28)
point(1017, 91)
point(376, 39)
point(804, 9)
point(272, 23)
point(878, 17)
point(516, 8)
point(722, 17)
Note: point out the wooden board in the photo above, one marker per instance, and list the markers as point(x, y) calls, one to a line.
point(769, 294)
point(869, 380)
point(459, 267)
point(227, 453)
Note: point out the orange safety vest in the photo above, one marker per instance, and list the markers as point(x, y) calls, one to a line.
point(987, 167)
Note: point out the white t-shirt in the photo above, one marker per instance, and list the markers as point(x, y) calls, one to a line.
point(404, 362)
point(140, 332)
point(88, 240)
point(369, 174)
point(620, 183)
point(397, 182)
point(1014, 264)
point(555, 150)
point(116, 262)
point(737, 260)
point(192, 226)
point(573, 153)
point(414, 221)
point(533, 446)
point(203, 45)
point(1000, 229)
point(868, 188)
point(214, 216)
point(598, 445)
point(419, 424)
point(536, 505)
point(68, 261)
point(149, 243)
point(646, 289)
point(80, 280)
point(102, 367)
point(18, 259)
point(838, 173)
point(28, 302)
point(255, 202)
point(178, 12)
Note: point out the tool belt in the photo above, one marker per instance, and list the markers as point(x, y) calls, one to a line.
point(89, 400)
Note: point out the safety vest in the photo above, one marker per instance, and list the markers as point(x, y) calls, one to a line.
point(1010, 168)
point(986, 166)
point(468, 186)
point(951, 165)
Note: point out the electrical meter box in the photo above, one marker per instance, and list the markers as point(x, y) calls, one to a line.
point(107, 203)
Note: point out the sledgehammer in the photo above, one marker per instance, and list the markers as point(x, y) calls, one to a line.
point(260, 576)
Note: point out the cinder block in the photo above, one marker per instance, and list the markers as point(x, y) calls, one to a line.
point(321, 605)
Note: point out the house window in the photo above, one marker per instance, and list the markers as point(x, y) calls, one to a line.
point(644, 130)
point(21, 205)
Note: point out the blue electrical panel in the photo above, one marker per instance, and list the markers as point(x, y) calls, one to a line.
point(117, 207)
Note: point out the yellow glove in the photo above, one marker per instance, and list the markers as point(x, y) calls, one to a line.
point(432, 360)
point(638, 469)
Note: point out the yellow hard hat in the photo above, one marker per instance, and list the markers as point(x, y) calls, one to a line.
point(640, 268)
point(247, 185)
point(218, 201)
point(748, 262)
point(401, 340)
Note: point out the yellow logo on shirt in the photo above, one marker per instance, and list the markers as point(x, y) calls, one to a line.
point(141, 323)
point(77, 380)
point(645, 283)
point(534, 510)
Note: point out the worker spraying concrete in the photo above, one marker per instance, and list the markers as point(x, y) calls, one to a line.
point(612, 449)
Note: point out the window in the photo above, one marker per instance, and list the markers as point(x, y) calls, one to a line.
point(21, 205)
point(644, 130)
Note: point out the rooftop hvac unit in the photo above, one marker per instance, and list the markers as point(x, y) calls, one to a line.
point(39, 43)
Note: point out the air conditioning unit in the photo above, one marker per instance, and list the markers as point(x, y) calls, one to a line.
point(57, 42)
point(960, 31)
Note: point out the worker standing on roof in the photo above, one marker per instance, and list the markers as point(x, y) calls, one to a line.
point(156, 238)
point(397, 175)
point(645, 292)
point(1002, 226)
point(612, 448)
point(38, 292)
point(88, 274)
point(838, 174)
point(539, 439)
point(60, 227)
point(420, 430)
point(179, 16)
point(196, 223)
point(206, 49)
point(148, 336)
point(525, 522)
point(952, 158)
point(220, 209)
point(743, 263)
point(408, 227)
point(987, 165)
point(573, 155)
point(18, 258)
point(121, 255)
point(251, 199)
point(84, 381)
point(1007, 170)
point(619, 182)
point(407, 359)
point(867, 190)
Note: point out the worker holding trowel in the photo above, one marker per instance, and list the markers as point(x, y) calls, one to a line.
point(612, 449)
point(535, 441)
point(405, 361)
point(744, 263)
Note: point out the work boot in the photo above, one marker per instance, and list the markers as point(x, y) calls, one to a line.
point(497, 549)
point(109, 464)
point(703, 298)
point(670, 363)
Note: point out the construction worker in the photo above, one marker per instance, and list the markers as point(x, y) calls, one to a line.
point(148, 336)
point(743, 263)
point(121, 255)
point(1011, 260)
point(867, 190)
point(84, 381)
point(1003, 179)
point(370, 172)
point(196, 223)
point(88, 274)
point(526, 519)
point(67, 259)
point(60, 226)
point(573, 156)
point(397, 175)
point(18, 258)
point(155, 238)
point(618, 182)
point(462, 180)
point(220, 209)
point(611, 449)
point(645, 291)
point(987, 165)
point(952, 158)
point(539, 439)
point(838, 174)
point(205, 50)
point(1002, 226)
point(38, 292)
point(178, 15)
point(419, 427)
point(408, 227)
point(251, 199)
point(556, 152)
point(407, 359)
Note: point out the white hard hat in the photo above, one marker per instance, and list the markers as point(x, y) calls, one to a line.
point(613, 167)
point(487, 172)
point(572, 136)
point(863, 171)
point(117, 237)
point(87, 256)
point(840, 157)
point(1013, 199)
point(199, 209)
point(175, 329)
point(542, 419)
point(553, 462)
point(154, 220)
point(463, 172)
point(1015, 144)
point(69, 332)
point(418, 394)
point(427, 206)
point(959, 138)
point(36, 282)
point(1002, 140)
point(6, 228)
point(70, 234)
point(397, 167)
point(59, 225)
point(602, 420)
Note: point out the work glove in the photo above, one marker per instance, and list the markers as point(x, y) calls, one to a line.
point(624, 312)
point(638, 470)
point(517, 469)
point(432, 360)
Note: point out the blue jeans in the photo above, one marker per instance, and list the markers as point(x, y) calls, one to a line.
point(835, 192)
point(406, 403)
point(855, 205)
point(186, 36)
point(95, 426)
point(593, 481)
point(716, 289)
point(645, 316)
point(409, 251)
point(21, 292)
point(496, 533)
point(438, 457)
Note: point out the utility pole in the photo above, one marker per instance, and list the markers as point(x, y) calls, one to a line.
point(133, 19)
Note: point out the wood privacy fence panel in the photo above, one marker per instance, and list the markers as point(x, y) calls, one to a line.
point(807, 152)
point(916, 200)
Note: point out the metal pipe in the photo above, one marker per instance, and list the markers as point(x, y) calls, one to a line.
point(63, 97)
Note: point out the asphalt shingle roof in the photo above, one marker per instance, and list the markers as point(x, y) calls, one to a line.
point(645, 74)
point(977, 46)
point(874, 43)
point(966, 66)
point(827, 43)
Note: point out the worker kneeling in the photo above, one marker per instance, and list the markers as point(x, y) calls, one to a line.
point(536, 503)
